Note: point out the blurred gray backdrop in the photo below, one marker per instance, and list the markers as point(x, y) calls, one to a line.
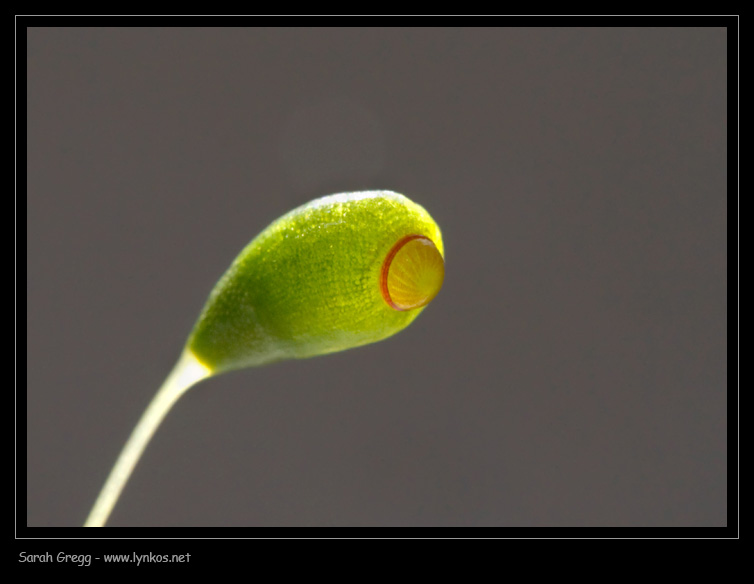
point(571, 372)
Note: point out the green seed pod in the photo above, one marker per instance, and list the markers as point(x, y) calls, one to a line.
point(339, 272)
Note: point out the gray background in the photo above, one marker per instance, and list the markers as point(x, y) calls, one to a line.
point(571, 372)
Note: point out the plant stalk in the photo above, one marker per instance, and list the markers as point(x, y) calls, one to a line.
point(187, 372)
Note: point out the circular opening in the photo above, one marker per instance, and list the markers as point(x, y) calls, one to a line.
point(412, 273)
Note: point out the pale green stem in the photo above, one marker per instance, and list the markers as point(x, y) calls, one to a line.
point(186, 373)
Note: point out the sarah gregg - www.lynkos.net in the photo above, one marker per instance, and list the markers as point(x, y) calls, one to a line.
point(87, 559)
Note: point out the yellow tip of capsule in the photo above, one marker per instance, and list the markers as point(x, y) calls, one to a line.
point(412, 273)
